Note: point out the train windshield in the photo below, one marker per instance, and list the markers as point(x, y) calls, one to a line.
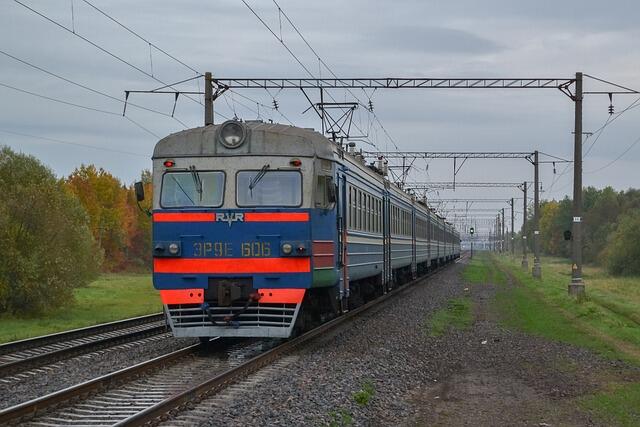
point(192, 189)
point(269, 188)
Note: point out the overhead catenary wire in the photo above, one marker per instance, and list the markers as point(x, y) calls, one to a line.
point(598, 133)
point(97, 46)
point(173, 57)
point(76, 144)
point(86, 87)
point(73, 104)
point(321, 61)
point(633, 144)
point(293, 55)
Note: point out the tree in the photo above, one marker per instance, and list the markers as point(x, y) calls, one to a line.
point(111, 215)
point(47, 246)
point(623, 251)
point(140, 248)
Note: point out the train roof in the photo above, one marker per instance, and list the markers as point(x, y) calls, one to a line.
point(263, 139)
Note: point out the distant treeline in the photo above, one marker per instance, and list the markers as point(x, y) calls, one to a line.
point(611, 228)
point(59, 234)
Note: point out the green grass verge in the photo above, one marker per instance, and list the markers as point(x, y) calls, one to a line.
point(480, 270)
point(603, 322)
point(112, 297)
point(457, 314)
point(620, 406)
point(606, 321)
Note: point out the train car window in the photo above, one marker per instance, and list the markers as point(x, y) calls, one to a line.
point(359, 208)
point(368, 212)
point(184, 189)
point(325, 195)
point(350, 218)
point(269, 188)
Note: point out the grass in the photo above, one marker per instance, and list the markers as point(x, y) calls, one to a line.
point(479, 271)
point(457, 314)
point(620, 405)
point(365, 394)
point(605, 321)
point(340, 418)
point(111, 297)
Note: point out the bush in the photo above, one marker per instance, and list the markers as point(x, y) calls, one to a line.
point(622, 254)
point(47, 248)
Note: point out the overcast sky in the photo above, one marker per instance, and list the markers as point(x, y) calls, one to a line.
point(356, 39)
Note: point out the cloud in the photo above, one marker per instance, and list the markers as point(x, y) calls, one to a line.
point(429, 40)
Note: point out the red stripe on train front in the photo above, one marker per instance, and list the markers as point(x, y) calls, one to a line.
point(276, 217)
point(183, 217)
point(231, 265)
point(182, 296)
point(282, 296)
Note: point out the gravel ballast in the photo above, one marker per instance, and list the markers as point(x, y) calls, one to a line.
point(47, 379)
point(387, 360)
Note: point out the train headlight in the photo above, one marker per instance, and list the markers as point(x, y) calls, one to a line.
point(174, 249)
point(287, 248)
point(232, 134)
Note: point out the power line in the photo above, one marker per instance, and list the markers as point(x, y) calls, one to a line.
point(295, 57)
point(97, 46)
point(83, 86)
point(321, 61)
point(111, 18)
point(617, 158)
point(158, 48)
point(61, 141)
point(72, 104)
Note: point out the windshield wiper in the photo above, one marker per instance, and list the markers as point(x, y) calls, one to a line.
point(196, 180)
point(256, 179)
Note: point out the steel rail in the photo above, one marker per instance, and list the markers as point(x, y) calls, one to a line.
point(23, 360)
point(233, 375)
point(29, 409)
point(42, 340)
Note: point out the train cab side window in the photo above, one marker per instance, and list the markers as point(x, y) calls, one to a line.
point(325, 196)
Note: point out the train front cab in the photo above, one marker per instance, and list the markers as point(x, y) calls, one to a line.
point(239, 260)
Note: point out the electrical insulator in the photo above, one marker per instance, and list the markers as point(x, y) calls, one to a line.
point(275, 104)
point(610, 103)
point(370, 106)
point(554, 168)
point(611, 109)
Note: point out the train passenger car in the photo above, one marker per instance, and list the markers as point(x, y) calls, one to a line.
point(262, 228)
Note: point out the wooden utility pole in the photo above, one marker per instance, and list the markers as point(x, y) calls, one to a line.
point(525, 261)
point(576, 287)
point(504, 241)
point(537, 269)
point(208, 99)
point(513, 242)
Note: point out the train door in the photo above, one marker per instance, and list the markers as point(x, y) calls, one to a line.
point(414, 264)
point(342, 212)
point(386, 240)
point(429, 237)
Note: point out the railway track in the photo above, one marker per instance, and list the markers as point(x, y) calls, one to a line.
point(19, 356)
point(150, 391)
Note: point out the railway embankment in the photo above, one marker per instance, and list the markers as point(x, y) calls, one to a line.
point(450, 352)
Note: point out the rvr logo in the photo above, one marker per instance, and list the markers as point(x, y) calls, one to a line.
point(230, 217)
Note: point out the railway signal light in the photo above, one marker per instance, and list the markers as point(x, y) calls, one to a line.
point(471, 231)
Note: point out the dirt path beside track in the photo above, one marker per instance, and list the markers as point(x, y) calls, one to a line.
point(509, 378)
